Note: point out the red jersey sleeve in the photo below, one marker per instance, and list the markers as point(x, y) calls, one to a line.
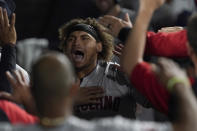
point(167, 44)
point(17, 115)
point(144, 80)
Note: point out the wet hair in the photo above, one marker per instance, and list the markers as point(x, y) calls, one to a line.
point(192, 32)
point(105, 39)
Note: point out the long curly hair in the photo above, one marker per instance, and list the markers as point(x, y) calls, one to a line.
point(105, 38)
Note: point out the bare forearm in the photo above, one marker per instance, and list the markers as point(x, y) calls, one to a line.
point(134, 48)
point(187, 109)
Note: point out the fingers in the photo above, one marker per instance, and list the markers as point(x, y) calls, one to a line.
point(95, 92)
point(1, 19)
point(118, 50)
point(7, 28)
point(6, 96)
point(119, 47)
point(94, 102)
point(92, 88)
point(107, 19)
point(117, 53)
point(96, 96)
point(89, 95)
point(22, 75)
point(13, 20)
point(127, 18)
point(93, 98)
point(91, 91)
point(5, 16)
point(17, 76)
point(11, 79)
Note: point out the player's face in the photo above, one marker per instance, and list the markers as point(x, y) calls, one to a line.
point(82, 49)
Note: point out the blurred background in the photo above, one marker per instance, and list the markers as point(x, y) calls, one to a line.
point(42, 18)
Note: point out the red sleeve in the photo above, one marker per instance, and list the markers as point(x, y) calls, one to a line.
point(145, 81)
point(167, 44)
point(16, 114)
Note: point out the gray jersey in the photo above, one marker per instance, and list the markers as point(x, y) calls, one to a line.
point(119, 97)
point(107, 124)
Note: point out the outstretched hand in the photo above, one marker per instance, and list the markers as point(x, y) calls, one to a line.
point(21, 93)
point(7, 28)
point(114, 25)
point(89, 95)
point(118, 49)
point(21, 90)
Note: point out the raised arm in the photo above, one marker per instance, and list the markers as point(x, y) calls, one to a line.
point(8, 53)
point(183, 107)
point(142, 77)
point(134, 47)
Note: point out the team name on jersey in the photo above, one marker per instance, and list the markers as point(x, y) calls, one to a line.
point(104, 103)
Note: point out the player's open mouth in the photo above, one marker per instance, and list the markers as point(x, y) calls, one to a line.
point(77, 55)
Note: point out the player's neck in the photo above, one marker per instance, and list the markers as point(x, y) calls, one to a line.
point(81, 73)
